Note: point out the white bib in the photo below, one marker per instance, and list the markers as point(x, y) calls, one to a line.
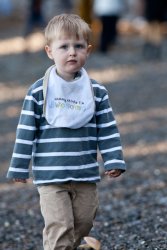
point(69, 104)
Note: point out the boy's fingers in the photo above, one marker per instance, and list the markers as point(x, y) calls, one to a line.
point(114, 173)
point(20, 180)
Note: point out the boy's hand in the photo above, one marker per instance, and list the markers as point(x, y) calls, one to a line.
point(114, 173)
point(20, 180)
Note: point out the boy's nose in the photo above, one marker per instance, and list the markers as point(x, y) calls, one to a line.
point(72, 51)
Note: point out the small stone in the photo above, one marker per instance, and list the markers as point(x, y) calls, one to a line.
point(6, 224)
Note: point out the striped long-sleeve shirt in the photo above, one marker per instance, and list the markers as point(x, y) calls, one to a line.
point(62, 154)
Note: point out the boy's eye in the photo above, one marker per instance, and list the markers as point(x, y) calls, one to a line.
point(79, 46)
point(76, 46)
point(64, 46)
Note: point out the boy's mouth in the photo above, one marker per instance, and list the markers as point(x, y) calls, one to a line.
point(72, 61)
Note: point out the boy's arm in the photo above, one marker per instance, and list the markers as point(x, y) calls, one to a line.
point(109, 139)
point(25, 135)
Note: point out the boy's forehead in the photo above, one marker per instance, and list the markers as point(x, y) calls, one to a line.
point(68, 36)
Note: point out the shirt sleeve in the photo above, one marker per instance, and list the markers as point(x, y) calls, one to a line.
point(109, 141)
point(25, 136)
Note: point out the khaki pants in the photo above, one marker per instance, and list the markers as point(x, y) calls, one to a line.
point(68, 211)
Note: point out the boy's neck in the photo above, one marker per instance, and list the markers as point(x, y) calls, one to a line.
point(76, 75)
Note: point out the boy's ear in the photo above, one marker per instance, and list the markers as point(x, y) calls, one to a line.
point(89, 49)
point(49, 51)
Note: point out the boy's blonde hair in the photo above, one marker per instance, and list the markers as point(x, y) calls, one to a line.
point(67, 24)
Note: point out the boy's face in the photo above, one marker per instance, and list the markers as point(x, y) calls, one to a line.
point(69, 55)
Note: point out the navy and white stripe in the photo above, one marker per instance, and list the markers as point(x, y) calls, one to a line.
point(62, 154)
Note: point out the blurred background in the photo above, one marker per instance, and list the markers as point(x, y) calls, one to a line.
point(130, 58)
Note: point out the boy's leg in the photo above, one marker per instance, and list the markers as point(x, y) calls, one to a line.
point(56, 209)
point(85, 205)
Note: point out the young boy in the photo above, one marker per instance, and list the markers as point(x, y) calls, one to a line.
point(65, 117)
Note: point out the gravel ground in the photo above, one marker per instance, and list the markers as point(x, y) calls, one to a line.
point(133, 207)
